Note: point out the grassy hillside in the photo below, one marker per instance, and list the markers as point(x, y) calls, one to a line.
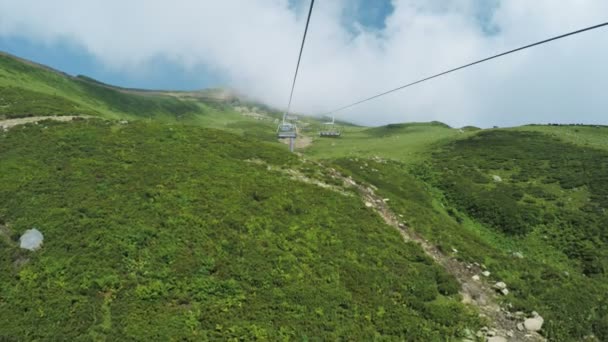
point(540, 225)
point(157, 232)
point(45, 89)
point(549, 200)
point(19, 102)
point(398, 141)
point(175, 232)
point(589, 135)
point(28, 89)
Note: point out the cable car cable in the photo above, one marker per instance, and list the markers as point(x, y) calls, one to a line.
point(468, 65)
point(295, 77)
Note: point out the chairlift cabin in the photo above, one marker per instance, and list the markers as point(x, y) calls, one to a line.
point(329, 130)
point(287, 130)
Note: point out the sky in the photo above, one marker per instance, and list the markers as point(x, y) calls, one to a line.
point(355, 49)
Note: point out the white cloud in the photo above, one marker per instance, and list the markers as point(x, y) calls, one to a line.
point(254, 45)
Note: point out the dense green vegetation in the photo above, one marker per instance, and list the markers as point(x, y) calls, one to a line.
point(545, 184)
point(16, 102)
point(158, 232)
point(589, 135)
point(547, 203)
point(546, 193)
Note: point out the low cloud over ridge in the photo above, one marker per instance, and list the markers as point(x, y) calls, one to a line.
point(253, 45)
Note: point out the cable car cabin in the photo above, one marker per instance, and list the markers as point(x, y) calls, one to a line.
point(286, 130)
point(329, 130)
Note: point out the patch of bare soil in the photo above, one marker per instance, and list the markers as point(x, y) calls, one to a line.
point(6, 124)
point(302, 141)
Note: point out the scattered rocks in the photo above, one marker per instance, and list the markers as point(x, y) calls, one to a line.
point(31, 239)
point(386, 200)
point(476, 277)
point(520, 327)
point(401, 225)
point(369, 204)
point(485, 273)
point(502, 288)
point(497, 178)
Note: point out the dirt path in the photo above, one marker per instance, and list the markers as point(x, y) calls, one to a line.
point(302, 141)
point(479, 293)
point(6, 124)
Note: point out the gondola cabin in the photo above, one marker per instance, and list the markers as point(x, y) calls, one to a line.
point(329, 130)
point(287, 130)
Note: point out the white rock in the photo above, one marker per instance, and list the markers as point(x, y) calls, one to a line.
point(386, 200)
point(454, 250)
point(500, 285)
point(518, 255)
point(497, 178)
point(520, 326)
point(485, 273)
point(31, 239)
point(369, 204)
point(476, 277)
point(401, 225)
point(504, 292)
point(497, 339)
point(534, 324)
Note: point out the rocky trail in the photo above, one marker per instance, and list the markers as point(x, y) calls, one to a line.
point(477, 289)
point(6, 124)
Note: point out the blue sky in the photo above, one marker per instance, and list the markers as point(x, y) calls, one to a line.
point(355, 48)
point(73, 59)
point(160, 73)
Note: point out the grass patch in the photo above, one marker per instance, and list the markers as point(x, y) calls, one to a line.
point(158, 232)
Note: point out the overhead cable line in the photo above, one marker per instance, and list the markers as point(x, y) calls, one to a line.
point(295, 77)
point(468, 65)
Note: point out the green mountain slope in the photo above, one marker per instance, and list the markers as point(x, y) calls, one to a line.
point(29, 89)
point(398, 141)
point(530, 206)
point(157, 232)
point(49, 88)
point(160, 229)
